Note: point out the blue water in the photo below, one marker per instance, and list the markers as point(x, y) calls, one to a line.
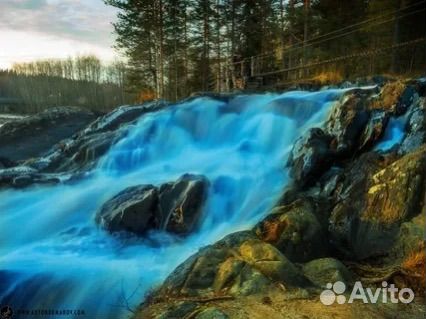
point(54, 256)
point(394, 134)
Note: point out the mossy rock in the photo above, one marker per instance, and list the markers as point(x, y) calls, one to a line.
point(327, 270)
point(295, 230)
point(239, 264)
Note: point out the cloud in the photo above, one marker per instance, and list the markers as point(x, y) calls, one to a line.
point(25, 46)
point(26, 4)
point(80, 20)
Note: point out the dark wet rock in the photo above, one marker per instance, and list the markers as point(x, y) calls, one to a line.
point(346, 122)
point(33, 136)
point(310, 156)
point(395, 97)
point(22, 176)
point(326, 270)
point(374, 199)
point(175, 207)
point(82, 150)
point(420, 86)
point(295, 230)
point(416, 128)
point(121, 116)
point(374, 129)
point(133, 209)
point(329, 182)
point(6, 163)
point(405, 99)
point(181, 202)
point(380, 80)
point(412, 141)
point(239, 264)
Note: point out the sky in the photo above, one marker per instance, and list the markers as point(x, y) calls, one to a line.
point(35, 29)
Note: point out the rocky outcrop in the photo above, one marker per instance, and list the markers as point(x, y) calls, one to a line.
point(23, 176)
point(85, 148)
point(33, 136)
point(347, 121)
point(296, 231)
point(327, 270)
point(311, 155)
point(239, 264)
point(74, 152)
point(395, 97)
point(374, 203)
point(174, 207)
point(374, 129)
point(416, 127)
point(351, 125)
point(350, 212)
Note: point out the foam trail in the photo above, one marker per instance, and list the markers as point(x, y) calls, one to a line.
point(394, 133)
point(53, 255)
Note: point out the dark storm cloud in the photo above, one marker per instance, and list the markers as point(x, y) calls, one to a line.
point(82, 20)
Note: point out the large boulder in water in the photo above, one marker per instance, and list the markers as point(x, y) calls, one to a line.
point(175, 207)
point(133, 209)
point(180, 203)
point(33, 136)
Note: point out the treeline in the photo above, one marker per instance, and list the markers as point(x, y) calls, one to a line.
point(176, 47)
point(80, 81)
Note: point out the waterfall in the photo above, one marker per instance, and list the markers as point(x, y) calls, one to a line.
point(53, 255)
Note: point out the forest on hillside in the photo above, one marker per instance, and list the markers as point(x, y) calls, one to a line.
point(176, 47)
point(173, 48)
point(80, 81)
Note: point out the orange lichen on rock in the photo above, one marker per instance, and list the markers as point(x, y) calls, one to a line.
point(393, 192)
point(272, 230)
point(414, 268)
point(389, 96)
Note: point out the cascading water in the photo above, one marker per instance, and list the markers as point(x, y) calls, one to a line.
point(53, 256)
point(394, 133)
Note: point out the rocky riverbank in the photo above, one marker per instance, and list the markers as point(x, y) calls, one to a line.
point(355, 211)
point(9, 117)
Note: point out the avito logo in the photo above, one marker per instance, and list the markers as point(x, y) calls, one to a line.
point(335, 293)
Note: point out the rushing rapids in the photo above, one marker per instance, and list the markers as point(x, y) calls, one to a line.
point(53, 256)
